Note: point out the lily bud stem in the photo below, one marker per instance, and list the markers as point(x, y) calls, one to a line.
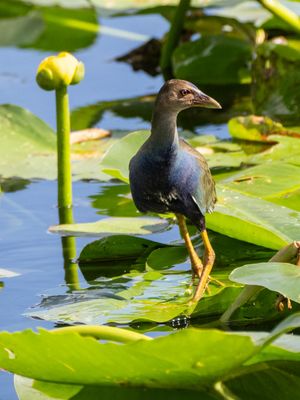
point(63, 148)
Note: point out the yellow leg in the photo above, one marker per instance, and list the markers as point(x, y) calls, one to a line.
point(195, 260)
point(209, 258)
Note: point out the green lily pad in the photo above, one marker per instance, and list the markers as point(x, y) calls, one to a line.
point(28, 389)
point(202, 61)
point(216, 356)
point(28, 148)
point(286, 149)
point(280, 277)
point(114, 255)
point(257, 128)
point(115, 162)
point(136, 226)
point(21, 30)
point(266, 180)
point(253, 220)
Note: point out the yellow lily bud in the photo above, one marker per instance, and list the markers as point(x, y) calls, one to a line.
point(55, 72)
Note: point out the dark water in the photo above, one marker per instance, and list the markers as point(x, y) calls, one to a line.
point(26, 246)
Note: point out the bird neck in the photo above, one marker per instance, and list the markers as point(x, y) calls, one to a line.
point(164, 133)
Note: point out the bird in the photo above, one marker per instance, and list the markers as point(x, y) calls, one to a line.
point(168, 175)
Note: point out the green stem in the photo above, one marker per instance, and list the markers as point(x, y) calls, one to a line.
point(63, 149)
point(245, 295)
point(173, 37)
point(70, 266)
point(280, 11)
point(103, 332)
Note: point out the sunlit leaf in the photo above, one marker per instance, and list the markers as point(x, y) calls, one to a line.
point(287, 149)
point(216, 355)
point(266, 180)
point(151, 363)
point(254, 220)
point(280, 277)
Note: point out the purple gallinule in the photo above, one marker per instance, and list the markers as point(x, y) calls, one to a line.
point(168, 175)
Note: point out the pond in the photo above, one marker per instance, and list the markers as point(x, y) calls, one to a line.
point(27, 211)
point(28, 208)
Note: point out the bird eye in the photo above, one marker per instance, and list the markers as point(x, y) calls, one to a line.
point(184, 92)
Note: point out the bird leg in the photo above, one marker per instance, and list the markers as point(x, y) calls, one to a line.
point(197, 265)
point(209, 258)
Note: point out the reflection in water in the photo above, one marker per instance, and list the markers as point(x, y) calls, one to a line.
point(69, 251)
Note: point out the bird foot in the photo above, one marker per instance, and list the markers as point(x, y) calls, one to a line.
point(283, 302)
point(216, 281)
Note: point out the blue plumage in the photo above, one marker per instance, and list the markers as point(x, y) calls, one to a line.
point(167, 174)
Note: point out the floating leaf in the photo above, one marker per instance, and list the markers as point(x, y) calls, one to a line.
point(280, 277)
point(202, 61)
point(257, 128)
point(266, 180)
point(28, 148)
point(287, 149)
point(136, 226)
point(254, 220)
point(115, 161)
point(216, 355)
point(28, 389)
point(152, 363)
point(114, 255)
point(21, 30)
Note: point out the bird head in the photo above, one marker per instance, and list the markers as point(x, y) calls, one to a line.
point(179, 95)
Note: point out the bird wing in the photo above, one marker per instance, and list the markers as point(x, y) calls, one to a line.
point(205, 197)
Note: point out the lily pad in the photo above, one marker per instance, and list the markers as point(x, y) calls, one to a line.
point(116, 165)
point(266, 180)
point(280, 277)
point(114, 255)
point(136, 226)
point(28, 148)
point(254, 220)
point(257, 128)
point(216, 356)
